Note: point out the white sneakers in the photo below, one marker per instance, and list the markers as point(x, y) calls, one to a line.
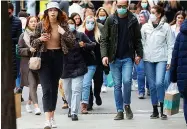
point(28, 108)
point(50, 123)
point(47, 124)
point(104, 89)
point(37, 111)
point(53, 123)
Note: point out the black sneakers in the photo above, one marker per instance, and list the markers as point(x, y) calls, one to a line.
point(74, 117)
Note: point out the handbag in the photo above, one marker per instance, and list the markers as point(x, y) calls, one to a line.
point(35, 62)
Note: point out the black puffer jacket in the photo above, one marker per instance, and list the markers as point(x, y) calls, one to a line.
point(74, 64)
point(15, 32)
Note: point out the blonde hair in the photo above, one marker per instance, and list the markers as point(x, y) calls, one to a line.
point(97, 33)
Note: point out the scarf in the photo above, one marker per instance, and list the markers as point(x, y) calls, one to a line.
point(26, 36)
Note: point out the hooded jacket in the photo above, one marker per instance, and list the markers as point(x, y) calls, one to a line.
point(179, 59)
point(157, 42)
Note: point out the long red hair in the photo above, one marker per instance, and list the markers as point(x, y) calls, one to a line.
point(62, 17)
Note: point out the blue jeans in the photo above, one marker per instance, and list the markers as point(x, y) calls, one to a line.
point(73, 90)
point(122, 73)
point(167, 80)
point(134, 73)
point(155, 73)
point(18, 73)
point(87, 83)
point(104, 79)
point(141, 77)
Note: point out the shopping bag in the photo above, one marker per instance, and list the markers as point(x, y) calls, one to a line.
point(17, 98)
point(172, 100)
point(110, 82)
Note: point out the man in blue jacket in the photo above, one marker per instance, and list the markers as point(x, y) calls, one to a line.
point(15, 32)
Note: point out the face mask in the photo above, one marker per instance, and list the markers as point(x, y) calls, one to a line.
point(102, 18)
point(89, 26)
point(121, 11)
point(144, 5)
point(153, 17)
point(71, 27)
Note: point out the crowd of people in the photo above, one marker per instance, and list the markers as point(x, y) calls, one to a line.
point(141, 43)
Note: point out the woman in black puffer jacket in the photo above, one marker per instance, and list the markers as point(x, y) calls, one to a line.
point(74, 68)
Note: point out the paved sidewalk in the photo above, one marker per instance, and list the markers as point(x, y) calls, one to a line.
point(102, 117)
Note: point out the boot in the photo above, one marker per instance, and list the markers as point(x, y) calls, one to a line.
point(129, 114)
point(155, 114)
point(84, 108)
point(119, 116)
point(163, 116)
point(69, 112)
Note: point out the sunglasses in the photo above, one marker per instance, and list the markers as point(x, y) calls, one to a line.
point(90, 22)
point(122, 6)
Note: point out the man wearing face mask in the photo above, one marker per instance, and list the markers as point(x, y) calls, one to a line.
point(15, 32)
point(120, 40)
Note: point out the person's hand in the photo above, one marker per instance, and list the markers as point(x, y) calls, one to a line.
point(137, 60)
point(44, 37)
point(60, 84)
point(168, 67)
point(32, 49)
point(82, 44)
point(105, 61)
point(61, 30)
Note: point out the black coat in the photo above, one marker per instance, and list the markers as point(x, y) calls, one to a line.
point(179, 60)
point(74, 63)
point(15, 32)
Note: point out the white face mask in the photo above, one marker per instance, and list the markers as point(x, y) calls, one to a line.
point(153, 17)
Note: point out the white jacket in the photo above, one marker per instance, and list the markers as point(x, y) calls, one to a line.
point(157, 42)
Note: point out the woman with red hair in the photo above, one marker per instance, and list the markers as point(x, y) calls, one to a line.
point(52, 39)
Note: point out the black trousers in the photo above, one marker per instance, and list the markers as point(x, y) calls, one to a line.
point(98, 82)
point(50, 72)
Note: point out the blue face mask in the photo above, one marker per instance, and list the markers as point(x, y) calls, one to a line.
point(90, 26)
point(144, 5)
point(121, 11)
point(71, 27)
point(102, 18)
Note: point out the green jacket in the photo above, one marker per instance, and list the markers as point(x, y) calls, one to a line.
point(109, 37)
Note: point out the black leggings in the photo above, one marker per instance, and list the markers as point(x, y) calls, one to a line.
point(50, 72)
point(98, 82)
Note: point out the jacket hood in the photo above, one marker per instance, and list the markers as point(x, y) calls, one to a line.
point(183, 28)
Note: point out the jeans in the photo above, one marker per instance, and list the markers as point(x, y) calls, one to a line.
point(142, 81)
point(122, 73)
point(155, 73)
point(18, 73)
point(185, 108)
point(87, 83)
point(98, 81)
point(73, 90)
point(134, 73)
point(104, 79)
point(49, 73)
point(167, 80)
